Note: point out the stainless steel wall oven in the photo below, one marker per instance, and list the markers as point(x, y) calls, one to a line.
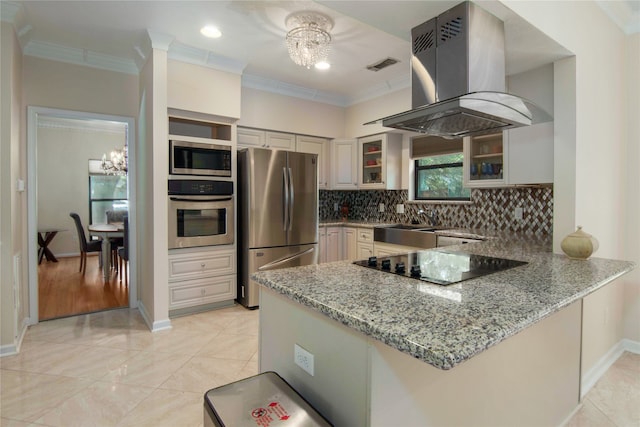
point(201, 213)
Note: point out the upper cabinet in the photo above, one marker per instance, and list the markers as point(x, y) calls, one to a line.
point(248, 137)
point(527, 152)
point(344, 164)
point(319, 146)
point(280, 141)
point(484, 161)
point(380, 160)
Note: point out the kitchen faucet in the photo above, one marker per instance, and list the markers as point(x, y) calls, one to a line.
point(431, 215)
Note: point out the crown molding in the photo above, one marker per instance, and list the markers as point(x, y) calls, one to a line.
point(9, 11)
point(626, 14)
point(287, 89)
point(159, 40)
point(192, 55)
point(77, 56)
point(384, 88)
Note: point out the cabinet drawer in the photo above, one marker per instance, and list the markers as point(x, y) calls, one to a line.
point(202, 291)
point(195, 265)
point(365, 235)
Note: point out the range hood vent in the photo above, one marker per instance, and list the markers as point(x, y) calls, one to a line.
point(458, 78)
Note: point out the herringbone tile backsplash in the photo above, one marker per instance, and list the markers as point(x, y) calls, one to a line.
point(490, 209)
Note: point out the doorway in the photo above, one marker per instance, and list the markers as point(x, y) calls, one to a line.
point(51, 152)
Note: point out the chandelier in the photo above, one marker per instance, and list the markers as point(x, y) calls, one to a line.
point(308, 38)
point(118, 163)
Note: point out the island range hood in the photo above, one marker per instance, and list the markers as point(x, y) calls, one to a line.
point(458, 78)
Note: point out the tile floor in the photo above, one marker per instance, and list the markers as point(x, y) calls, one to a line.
point(106, 369)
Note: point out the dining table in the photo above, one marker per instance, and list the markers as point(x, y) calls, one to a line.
point(105, 232)
point(45, 236)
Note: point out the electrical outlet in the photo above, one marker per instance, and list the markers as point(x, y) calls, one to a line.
point(335, 207)
point(517, 213)
point(381, 207)
point(303, 358)
point(400, 208)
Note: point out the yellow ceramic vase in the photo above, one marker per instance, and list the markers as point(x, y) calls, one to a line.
point(579, 245)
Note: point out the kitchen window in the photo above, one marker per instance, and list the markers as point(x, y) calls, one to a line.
point(438, 169)
point(106, 193)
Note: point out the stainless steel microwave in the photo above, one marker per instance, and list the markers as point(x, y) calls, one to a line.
point(199, 159)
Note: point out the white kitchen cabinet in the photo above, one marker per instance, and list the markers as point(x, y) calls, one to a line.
point(248, 137)
point(201, 277)
point(319, 146)
point(350, 243)
point(380, 162)
point(484, 163)
point(381, 249)
point(322, 245)
point(334, 244)
point(344, 164)
point(530, 155)
point(527, 155)
point(364, 245)
point(518, 156)
point(280, 141)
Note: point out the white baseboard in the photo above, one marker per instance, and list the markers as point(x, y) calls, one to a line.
point(156, 326)
point(591, 377)
point(11, 349)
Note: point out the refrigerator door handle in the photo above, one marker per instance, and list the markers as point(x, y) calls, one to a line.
point(285, 260)
point(291, 199)
point(285, 199)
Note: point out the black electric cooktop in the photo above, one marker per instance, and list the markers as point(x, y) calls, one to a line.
point(442, 268)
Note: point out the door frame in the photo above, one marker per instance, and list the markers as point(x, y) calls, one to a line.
point(33, 114)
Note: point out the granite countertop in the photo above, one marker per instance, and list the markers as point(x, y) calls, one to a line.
point(446, 325)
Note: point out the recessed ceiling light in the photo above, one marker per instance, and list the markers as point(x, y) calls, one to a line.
point(210, 31)
point(322, 65)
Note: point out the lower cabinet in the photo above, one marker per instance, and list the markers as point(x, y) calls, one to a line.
point(349, 235)
point(364, 245)
point(345, 243)
point(201, 277)
point(386, 249)
point(334, 244)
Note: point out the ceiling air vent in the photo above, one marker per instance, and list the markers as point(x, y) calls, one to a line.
point(382, 64)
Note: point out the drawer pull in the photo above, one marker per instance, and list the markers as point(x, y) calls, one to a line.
point(202, 265)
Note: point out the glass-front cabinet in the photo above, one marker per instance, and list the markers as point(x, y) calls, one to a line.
point(484, 160)
point(380, 161)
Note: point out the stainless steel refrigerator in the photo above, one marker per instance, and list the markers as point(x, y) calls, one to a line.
point(277, 214)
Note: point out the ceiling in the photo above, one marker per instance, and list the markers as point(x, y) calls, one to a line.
point(113, 34)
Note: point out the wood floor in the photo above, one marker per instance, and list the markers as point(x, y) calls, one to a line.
point(63, 291)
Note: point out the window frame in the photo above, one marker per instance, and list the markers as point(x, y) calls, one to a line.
point(416, 172)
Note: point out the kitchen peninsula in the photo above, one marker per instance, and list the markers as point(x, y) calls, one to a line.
point(503, 349)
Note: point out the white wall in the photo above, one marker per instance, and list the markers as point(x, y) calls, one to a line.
point(605, 201)
point(359, 114)
point(63, 154)
point(632, 250)
point(13, 206)
point(270, 111)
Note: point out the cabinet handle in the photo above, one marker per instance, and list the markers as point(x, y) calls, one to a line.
point(202, 265)
point(202, 292)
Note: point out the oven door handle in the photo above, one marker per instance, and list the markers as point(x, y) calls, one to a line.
point(284, 260)
point(199, 199)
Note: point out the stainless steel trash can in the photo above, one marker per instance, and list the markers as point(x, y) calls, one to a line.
point(264, 400)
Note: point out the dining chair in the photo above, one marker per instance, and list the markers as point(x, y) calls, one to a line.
point(123, 252)
point(117, 217)
point(86, 246)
